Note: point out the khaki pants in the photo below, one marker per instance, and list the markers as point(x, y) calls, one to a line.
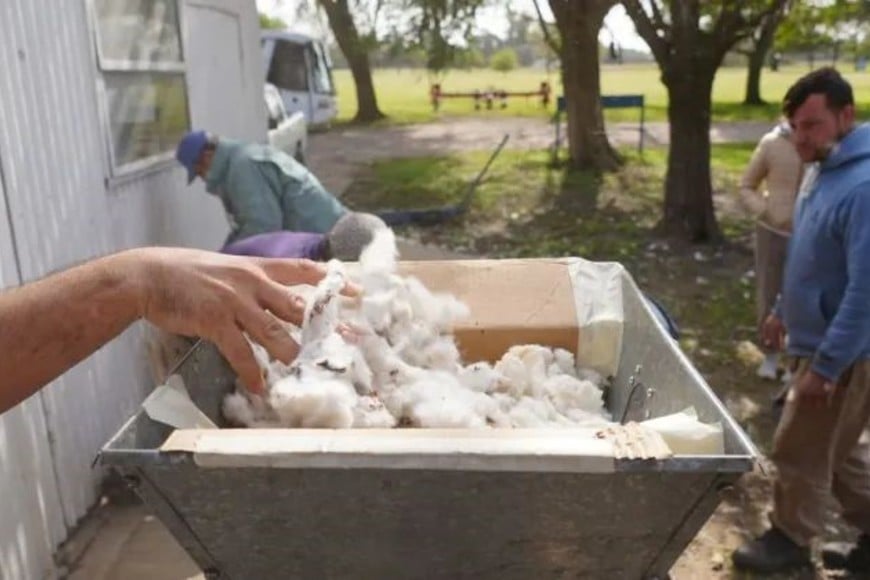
point(816, 451)
point(770, 251)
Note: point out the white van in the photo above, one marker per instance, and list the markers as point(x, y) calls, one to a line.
point(287, 131)
point(300, 67)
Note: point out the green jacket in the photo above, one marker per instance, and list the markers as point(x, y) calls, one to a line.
point(265, 190)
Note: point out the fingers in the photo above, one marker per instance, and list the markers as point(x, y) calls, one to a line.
point(292, 272)
point(232, 344)
point(281, 302)
point(267, 331)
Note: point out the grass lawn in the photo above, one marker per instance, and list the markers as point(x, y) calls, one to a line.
point(525, 208)
point(403, 94)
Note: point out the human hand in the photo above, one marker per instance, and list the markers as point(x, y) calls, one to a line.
point(773, 333)
point(814, 386)
point(220, 297)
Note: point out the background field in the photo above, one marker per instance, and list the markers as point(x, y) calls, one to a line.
point(403, 94)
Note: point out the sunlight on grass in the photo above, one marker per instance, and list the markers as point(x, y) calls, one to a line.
point(404, 94)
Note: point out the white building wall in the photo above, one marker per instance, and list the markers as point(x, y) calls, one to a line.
point(59, 205)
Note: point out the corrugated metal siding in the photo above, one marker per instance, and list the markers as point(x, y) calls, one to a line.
point(31, 519)
point(53, 164)
point(53, 156)
point(161, 209)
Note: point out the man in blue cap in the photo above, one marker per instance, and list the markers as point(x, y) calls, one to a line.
point(262, 188)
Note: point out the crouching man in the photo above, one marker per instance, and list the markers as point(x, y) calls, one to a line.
point(262, 188)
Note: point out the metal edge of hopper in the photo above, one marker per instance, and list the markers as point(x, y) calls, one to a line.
point(732, 462)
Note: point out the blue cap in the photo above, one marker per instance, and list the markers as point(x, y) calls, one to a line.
point(189, 149)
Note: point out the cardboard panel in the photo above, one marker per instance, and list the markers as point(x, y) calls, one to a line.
point(511, 301)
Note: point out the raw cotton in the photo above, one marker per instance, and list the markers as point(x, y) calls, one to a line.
point(389, 359)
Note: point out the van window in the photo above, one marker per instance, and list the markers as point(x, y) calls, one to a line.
point(287, 70)
point(322, 74)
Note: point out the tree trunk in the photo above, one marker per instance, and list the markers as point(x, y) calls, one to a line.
point(688, 205)
point(753, 78)
point(578, 27)
point(346, 35)
point(759, 54)
point(756, 64)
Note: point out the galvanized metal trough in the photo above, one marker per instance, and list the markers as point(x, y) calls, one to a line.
point(356, 508)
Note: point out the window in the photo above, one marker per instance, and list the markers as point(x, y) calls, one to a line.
point(143, 73)
point(288, 70)
point(322, 71)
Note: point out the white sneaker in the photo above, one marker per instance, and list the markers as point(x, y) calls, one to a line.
point(767, 369)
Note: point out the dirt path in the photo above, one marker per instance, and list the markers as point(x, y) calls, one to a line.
point(336, 156)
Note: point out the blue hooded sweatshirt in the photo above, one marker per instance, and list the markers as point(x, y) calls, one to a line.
point(826, 290)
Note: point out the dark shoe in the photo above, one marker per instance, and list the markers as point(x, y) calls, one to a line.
point(854, 558)
point(771, 552)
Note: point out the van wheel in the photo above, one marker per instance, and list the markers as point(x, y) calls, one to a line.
point(299, 155)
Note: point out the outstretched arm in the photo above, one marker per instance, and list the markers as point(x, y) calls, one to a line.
point(48, 326)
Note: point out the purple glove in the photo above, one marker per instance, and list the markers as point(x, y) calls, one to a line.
point(280, 244)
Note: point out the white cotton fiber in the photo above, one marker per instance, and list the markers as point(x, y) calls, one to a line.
point(388, 359)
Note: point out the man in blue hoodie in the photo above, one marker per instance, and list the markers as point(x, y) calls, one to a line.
point(262, 188)
point(823, 316)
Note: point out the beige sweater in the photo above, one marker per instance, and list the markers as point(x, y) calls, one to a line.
point(776, 162)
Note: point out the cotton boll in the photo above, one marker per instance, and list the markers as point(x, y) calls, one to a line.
point(439, 409)
point(504, 401)
point(563, 362)
point(386, 365)
point(322, 310)
point(530, 413)
point(536, 361)
point(437, 399)
point(442, 354)
point(378, 262)
point(531, 352)
point(567, 393)
point(480, 377)
point(314, 400)
point(237, 410)
point(370, 413)
point(246, 409)
point(271, 370)
point(379, 257)
point(378, 309)
point(361, 376)
point(412, 341)
point(439, 310)
point(591, 376)
point(515, 373)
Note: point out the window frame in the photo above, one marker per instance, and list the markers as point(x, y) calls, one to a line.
point(134, 169)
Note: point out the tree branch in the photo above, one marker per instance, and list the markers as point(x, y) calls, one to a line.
point(732, 27)
point(548, 38)
point(648, 28)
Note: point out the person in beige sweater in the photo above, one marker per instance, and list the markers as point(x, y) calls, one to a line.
point(776, 163)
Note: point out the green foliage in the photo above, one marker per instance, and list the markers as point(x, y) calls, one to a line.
point(504, 61)
point(440, 27)
point(803, 29)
